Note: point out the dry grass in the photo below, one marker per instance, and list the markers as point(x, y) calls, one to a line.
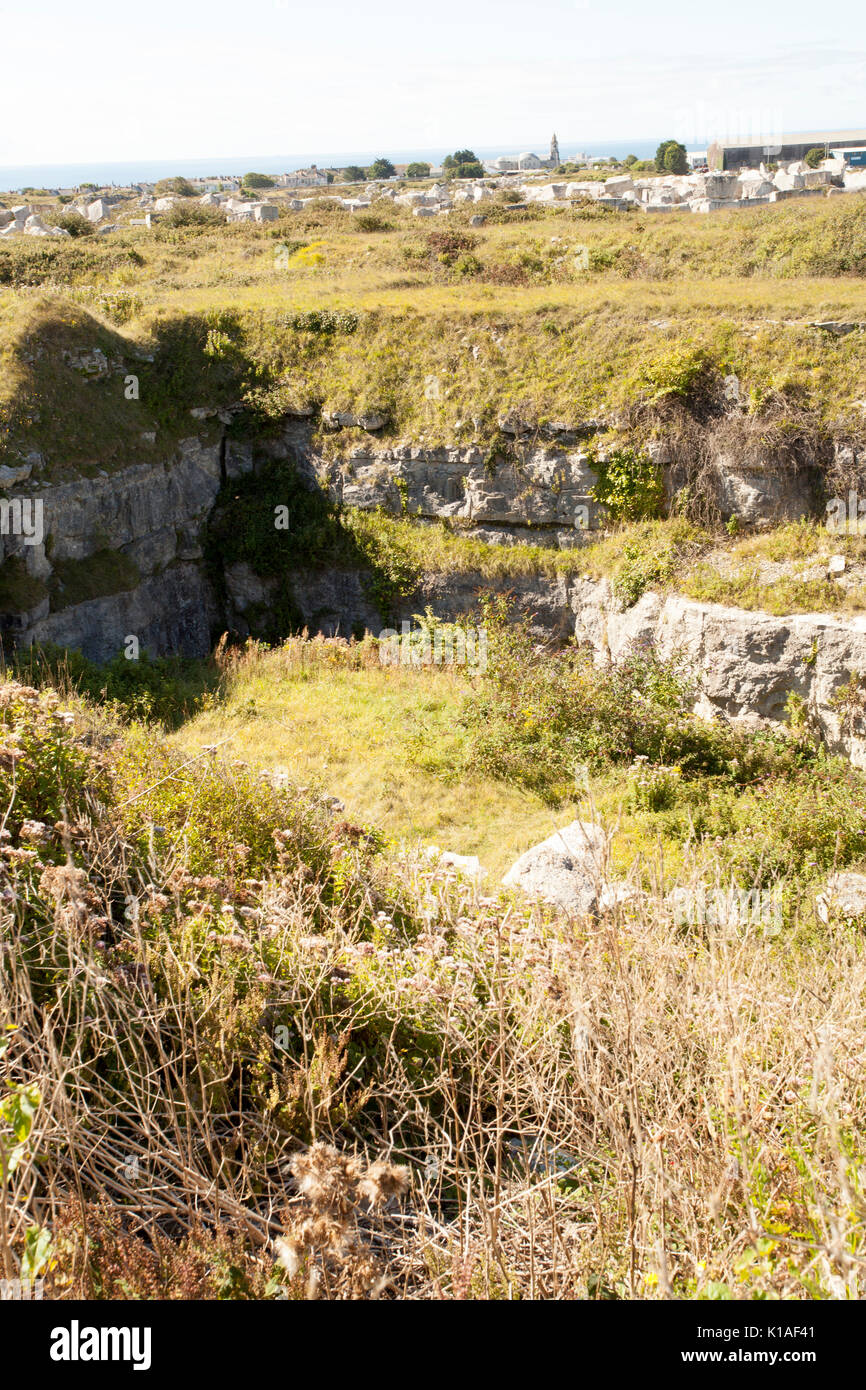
point(311, 1070)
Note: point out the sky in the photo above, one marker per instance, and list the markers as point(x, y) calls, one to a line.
point(108, 80)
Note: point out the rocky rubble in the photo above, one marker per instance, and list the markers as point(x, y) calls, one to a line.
point(23, 221)
point(698, 192)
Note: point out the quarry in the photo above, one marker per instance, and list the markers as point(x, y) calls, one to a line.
point(433, 738)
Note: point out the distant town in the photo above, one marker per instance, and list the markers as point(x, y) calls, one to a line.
point(846, 147)
point(727, 175)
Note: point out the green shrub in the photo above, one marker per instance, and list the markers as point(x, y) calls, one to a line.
point(75, 224)
point(44, 773)
point(180, 187)
point(322, 321)
point(467, 265)
point(676, 374)
point(535, 717)
point(371, 222)
point(629, 485)
point(186, 215)
point(166, 689)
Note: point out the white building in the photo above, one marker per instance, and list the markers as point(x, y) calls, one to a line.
point(303, 178)
point(520, 163)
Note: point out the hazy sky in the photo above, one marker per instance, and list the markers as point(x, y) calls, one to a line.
point(93, 79)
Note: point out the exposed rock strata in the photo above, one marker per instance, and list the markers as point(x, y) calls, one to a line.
point(154, 516)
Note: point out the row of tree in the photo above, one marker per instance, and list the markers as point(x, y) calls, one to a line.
point(462, 164)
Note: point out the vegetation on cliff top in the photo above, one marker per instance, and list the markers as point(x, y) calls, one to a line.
point(409, 323)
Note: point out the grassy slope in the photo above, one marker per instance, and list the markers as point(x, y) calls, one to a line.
point(348, 731)
point(390, 743)
point(779, 571)
point(560, 343)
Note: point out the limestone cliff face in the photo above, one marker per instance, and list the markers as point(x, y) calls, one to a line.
point(152, 519)
point(746, 663)
point(545, 498)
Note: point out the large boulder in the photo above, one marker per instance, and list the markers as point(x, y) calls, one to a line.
point(755, 188)
point(844, 896)
point(619, 185)
point(787, 182)
point(565, 870)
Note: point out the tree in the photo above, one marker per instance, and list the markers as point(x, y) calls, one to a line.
point(418, 170)
point(353, 173)
point(471, 170)
point(629, 160)
point(815, 156)
point(462, 164)
point(381, 169)
point(257, 181)
point(671, 158)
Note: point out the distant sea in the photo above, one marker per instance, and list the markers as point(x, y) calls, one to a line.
point(14, 177)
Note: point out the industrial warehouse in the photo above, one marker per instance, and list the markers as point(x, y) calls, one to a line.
point(848, 146)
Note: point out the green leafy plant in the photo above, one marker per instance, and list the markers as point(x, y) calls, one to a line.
point(629, 485)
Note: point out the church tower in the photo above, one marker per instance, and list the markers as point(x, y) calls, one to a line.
point(555, 160)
